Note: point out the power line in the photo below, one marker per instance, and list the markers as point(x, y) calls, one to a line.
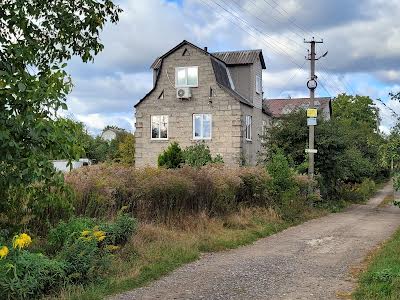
point(267, 43)
point(259, 19)
point(289, 19)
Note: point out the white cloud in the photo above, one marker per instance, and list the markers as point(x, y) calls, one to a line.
point(363, 39)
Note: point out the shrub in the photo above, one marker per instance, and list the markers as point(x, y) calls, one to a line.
point(172, 157)
point(25, 275)
point(85, 260)
point(357, 192)
point(199, 155)
point(164, 194)
point(66, 231)
point(119, 231)
point(281, 174)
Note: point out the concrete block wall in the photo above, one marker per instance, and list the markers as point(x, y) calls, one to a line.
point(225, 111)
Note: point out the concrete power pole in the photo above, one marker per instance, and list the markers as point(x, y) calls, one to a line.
point(312, 85)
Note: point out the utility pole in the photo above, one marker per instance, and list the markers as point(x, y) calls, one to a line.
point(312, 85)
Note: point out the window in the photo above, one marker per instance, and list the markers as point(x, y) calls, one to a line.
point(258, 84)
point(248, 128)
point(186, 77)
point(202, 126)
point(263, 131)
point(159, 127)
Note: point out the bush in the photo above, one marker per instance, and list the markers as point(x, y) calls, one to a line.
point(85, 259)
point(199, 155)
point(357, 192)
point(25, 275)
point(66, 231)
point(163, 194)
point(119, 231)
point(172, 157)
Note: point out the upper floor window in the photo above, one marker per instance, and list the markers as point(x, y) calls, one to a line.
point(258, 84)
point(186, 77)
point(248, 127)
point(159, 127)
point(202, 126)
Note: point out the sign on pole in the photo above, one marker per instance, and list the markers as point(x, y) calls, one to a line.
point(312, 113)
point(311, 121)
point(311, 151)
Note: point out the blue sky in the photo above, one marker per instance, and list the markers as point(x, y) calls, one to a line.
point(362, 37)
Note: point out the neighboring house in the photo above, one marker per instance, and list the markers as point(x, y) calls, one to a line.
point(62, 164)
point(280, 107)
point(201, 96)
point(110, 133)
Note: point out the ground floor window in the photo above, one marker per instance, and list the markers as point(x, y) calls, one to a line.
point(248, 127)
point(202, 125)
point(159, 127)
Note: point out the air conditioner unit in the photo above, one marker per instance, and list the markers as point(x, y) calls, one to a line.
point(183, 93)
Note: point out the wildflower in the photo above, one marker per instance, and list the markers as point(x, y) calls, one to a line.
point(85, 233)
point(100, 235)
point(21, 241)
point(112, 248)
point(3, 252)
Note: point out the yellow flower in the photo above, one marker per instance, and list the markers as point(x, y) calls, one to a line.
point(3, 252)
point(100, 235)
point(85, 232)
point(112, 248)
point(21, 241)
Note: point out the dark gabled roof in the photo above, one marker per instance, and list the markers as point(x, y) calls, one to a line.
point(157, 63)
point(220, 70)
point(242, 57)
point(280, 107)
point(224, 81)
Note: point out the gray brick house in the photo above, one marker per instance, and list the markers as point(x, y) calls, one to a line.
point(201, 96)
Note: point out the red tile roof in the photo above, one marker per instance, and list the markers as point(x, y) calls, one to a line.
point(280, 107)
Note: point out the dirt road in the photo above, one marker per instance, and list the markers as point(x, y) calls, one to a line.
point(309, 261)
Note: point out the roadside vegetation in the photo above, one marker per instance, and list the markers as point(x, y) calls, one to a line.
point(381, 280)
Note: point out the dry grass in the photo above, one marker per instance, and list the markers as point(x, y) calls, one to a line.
point(388, 200)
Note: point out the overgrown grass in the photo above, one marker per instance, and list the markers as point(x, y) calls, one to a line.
point(158, 249)
point(381, 280)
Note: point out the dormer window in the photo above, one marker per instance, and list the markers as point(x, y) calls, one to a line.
point(186, 77)
point(258, 85)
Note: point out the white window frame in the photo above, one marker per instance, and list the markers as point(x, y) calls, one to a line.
point(159, 129)
point(186, 74)
point(258, 84)
point(248, 125)
point(263, 131)
point(202, 127)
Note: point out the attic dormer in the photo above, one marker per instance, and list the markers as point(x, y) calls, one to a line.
point(245, 68)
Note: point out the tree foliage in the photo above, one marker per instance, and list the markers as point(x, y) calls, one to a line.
point(37, 37)
point(348, 145)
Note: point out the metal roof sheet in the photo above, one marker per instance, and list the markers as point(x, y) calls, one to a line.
point(242, 57)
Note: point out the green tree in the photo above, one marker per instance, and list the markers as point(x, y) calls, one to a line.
point(126, 149)
point(348, 145)
point(172, 157)
point(37, 37)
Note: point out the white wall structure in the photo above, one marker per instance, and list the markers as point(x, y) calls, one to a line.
point(108, 135)
point(62, 164)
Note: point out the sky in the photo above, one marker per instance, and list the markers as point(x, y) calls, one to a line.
point(362, 38)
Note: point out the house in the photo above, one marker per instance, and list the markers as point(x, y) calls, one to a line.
point(110, 133)
point(280, 107)
point(202, 96)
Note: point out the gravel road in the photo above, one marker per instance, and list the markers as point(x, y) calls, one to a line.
point(309, 261)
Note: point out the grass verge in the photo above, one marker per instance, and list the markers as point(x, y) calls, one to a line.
point(157, 249)
point(381, 279)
